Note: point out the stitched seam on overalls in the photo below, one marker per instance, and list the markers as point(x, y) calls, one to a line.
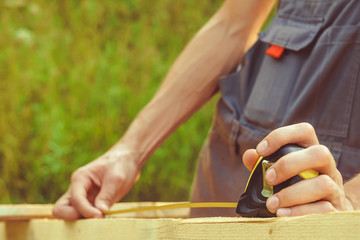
point(352, 87)
point(350, 97)
point(343, 131)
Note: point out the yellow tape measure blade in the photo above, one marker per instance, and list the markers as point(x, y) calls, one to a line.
point(174, 206)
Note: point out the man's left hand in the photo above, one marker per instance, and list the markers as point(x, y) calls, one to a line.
point(324, 193)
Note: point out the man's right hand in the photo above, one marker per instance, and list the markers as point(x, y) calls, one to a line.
point(192, 80)
point(97, 185)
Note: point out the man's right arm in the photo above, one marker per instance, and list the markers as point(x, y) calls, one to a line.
point(192, 80)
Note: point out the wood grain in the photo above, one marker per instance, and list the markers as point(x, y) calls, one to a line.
point(339, 225)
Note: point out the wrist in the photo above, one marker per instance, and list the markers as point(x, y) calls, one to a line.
point(130, 150)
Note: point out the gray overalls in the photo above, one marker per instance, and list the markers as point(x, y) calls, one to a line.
point(315, 80)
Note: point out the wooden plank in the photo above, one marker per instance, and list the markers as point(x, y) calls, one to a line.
point(31, 211)
point(341, 225)
point(25, 211)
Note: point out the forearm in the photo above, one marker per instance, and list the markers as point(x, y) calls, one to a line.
point(352, 191)
point(214, 51)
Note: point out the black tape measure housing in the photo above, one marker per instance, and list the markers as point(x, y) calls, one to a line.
point(252, 203)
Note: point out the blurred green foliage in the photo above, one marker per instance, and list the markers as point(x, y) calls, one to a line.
point(73, 74)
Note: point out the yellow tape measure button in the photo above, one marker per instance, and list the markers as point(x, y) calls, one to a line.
point(309, 174)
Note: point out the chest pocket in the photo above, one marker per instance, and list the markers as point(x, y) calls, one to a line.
point(276, 79)
point(313, 81)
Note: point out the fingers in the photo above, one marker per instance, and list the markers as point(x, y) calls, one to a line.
point(316, 207)
point(63, 209)
point(323, 193)
point(314, 189)
point(316, 157)
point(115, 185)
point(307, 192)
point(75, 204)
point(250, 158)
point(97, 185)
point(108, 193)
point(301, 133)
point(79, 197)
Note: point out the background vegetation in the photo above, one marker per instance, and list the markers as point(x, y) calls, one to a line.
point(73, 74)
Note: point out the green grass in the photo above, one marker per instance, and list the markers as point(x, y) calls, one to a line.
point(74, 74)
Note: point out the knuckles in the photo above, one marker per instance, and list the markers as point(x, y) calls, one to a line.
point(116, 177)
point(322, 151)
point(322, 155)
point(75, 176)
point(56, 211)
point(328, 207)
point(282, 166)
point(307, 129)
point(326, 185)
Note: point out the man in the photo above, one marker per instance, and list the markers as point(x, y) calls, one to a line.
point(304, 68)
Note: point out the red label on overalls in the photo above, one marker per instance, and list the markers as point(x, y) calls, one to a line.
point(275, 51)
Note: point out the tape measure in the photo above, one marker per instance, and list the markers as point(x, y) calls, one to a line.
point(174, 206)
point(252, 202)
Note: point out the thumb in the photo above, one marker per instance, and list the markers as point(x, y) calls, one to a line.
point(109, 192)
point(250, 158)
